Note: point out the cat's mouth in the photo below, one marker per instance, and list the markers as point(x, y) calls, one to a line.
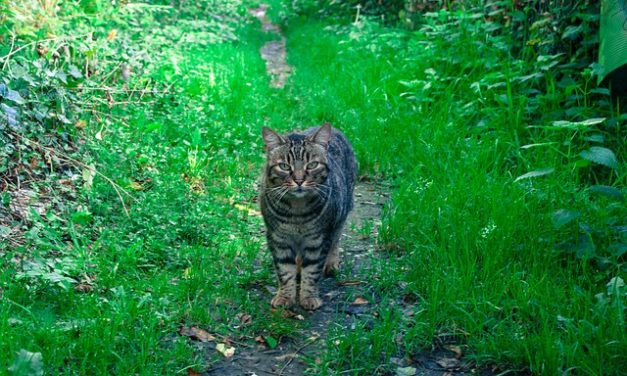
point(299, 191)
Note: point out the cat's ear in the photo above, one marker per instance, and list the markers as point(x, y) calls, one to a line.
point(271, 138)
point(322, 135)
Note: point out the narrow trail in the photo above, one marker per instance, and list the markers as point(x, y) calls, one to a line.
point(348, 298)
point(273, 52)
point(343, 298)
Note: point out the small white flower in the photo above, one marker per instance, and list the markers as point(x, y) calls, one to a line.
point(487, 230)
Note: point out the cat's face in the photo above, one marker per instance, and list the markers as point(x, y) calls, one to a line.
point(297, 164)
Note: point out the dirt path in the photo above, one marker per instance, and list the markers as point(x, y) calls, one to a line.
point(273, 52)
point(343, 296)
point(358, 252)
point(343, 307)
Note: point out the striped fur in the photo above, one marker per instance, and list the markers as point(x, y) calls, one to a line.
point(306, 195)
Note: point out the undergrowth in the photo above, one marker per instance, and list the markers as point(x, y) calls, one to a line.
point(130, 151)
point(507, 224)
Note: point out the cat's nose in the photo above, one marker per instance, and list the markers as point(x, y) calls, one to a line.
point(299, 182)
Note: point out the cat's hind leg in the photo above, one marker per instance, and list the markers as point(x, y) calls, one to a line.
point(332, 262)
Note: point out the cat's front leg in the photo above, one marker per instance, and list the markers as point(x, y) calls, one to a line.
point(286, 270)
point(311, 271)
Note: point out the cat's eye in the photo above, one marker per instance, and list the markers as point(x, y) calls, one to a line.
point(284, 166)
point(312, 165)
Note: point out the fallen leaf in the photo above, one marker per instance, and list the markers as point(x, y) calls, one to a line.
point(456, 349)
point(136, 186)
point(244, 318)
point(225, 350)
point(112, 34)
point(66, 182)
point(448, 363)
point(191, 372)
point(89, 172)
point(396, 361)
point(406, 371)
point(286, 313)
point(196, 334)
point(283, 358)
point(81, 124)
point(83, 287)
point(267, 340)
point(360, 301)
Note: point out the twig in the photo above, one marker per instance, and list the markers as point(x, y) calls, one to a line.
point(111, 104)
point(9, 238)
point(4, 65)
point(62, 155)
point(227, 339)
point(296, 353)
point(13, 52)
point(113, 90)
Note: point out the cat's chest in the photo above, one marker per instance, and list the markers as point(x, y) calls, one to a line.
point(297, 235)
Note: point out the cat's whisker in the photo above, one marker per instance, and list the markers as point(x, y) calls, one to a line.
point(284, 193)
point(277, 193)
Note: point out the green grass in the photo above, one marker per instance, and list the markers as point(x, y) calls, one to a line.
point(480, 250)
point(441, 114)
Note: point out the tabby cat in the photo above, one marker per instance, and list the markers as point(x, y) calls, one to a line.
point(306, 195)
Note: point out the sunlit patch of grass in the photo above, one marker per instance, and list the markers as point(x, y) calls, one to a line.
point(188, 243)
point(514, 269)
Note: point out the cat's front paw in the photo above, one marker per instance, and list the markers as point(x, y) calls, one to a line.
point(310, 303)
point(281, 301)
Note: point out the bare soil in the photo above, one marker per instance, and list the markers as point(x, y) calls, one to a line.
point(358, 251)
point(273, 52)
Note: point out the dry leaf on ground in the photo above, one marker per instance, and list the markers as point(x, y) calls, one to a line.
point(406, 371)
point(225, 350)
point(196, 334)
point(448, 363)
point(455, 349)
point(244, 318)
point(292, 315)
point(360, 301)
